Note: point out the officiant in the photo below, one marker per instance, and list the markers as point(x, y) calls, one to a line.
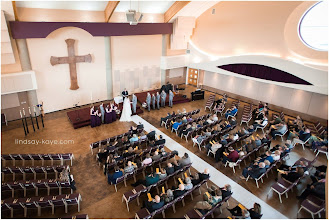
point(125, 94)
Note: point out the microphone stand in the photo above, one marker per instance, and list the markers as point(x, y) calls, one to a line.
point(27, 128)
point(31, 119)
point(23, 123)
point(36, 118)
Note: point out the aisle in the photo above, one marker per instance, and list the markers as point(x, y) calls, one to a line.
point(240, 194)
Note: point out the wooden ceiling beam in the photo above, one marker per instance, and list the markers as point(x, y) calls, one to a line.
point(110, 7)
point(15, 10)
point(174, 9)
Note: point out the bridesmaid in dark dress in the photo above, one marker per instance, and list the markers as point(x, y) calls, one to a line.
point(108, 115)
point(92, 117)
point(98, 117)
point(114, 113)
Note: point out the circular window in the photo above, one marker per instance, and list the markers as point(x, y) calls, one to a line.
point(313, 27)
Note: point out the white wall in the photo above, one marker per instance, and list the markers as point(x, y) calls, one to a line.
point(302, 101)
point(136, 62)
point(54, 81)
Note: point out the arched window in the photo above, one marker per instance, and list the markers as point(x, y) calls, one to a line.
point(313, 27)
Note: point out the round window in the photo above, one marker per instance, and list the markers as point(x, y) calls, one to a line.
point(313, 27)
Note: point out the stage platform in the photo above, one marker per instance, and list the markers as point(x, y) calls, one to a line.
point(178, 98)
point(84, 115)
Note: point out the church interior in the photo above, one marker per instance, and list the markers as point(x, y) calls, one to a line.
point(164, 109)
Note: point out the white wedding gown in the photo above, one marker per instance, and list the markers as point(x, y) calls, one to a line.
point(126, 110)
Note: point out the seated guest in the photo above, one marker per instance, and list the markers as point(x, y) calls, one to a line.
point(258, 142)
point(276, 121)
point(177, 165)
point(302, 137)
point(254, 171)
point(162, 174)
point(117, 158)
point(188, 183)
point(149, 180)
point(185, 160)
point(297, 124)
point(209, 200)
point(235, 137)
point(129, 152)
point(147, 160)
point(226, 191)
point(232, 156)
point(163, 152)
point(176, 124)
point(240, 213)
point(140, 126)
point(185, 131)
point(111, 178)
point(156, 156)
point(320, 173)
point(267, 164)
point(151, 136)
point(180, 191)
point(231, 112)
point(142, 136)
point(199, 138)
point(165, 118)
point(160, 141)
point(292, 175)
point(266, 140)
point(170, 169)
point(129, 168)
point(277, 129)
point(195, 179)
point(268, 156)
point(213, 146)
point(317, 189)
point(183, 111)
point(133, 129)
point(133, 139)
point(155, 204)
point(232, 121)
point(251, 129)
point(184, 119)
point(260, 123)
point(205, 175)
point(168, 197)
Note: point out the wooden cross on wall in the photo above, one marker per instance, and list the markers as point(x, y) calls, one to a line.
point(71, 60)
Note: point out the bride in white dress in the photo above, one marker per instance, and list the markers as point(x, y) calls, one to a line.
point(126, 110)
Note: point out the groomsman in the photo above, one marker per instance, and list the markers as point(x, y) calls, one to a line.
point(148, 101)
point(158, 100)
point(163, 98)
point(134, 102)
point(171, 97)
point(153, 101)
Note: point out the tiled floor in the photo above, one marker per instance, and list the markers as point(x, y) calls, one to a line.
point(100, 199)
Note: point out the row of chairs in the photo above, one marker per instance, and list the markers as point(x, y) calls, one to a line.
point(244, 158)
point(230, 143)
point(196, 214)
point(283, 186)
point(210, 102)
point(313, 205)
point(170, 125)
point(198, 130)
point(191, 113)
point(145, 214)
point(246, 114)
point(107, 141)
point(140, 170)
point(37, 157)
point(45, 170)
point(37, 203)
point(136, 192)
point(36, 185)
point(206, 140)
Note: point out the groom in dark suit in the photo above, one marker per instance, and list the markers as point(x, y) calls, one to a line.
point(125, 94)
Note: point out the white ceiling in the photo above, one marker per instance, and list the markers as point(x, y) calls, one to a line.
point(194, 9)
point(123, 6)
point(70, 5)
point(159, 7)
